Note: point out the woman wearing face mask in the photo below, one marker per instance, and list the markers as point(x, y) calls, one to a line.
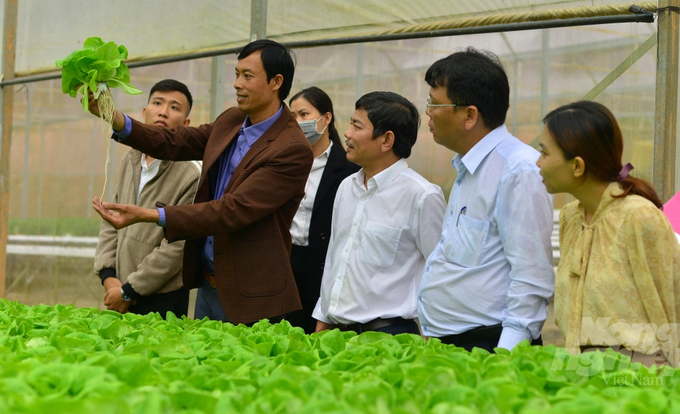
point(618, 282)
point(311, 225)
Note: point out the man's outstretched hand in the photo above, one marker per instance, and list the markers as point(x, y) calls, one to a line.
point(122, 215)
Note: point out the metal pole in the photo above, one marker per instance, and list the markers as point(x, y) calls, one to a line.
point(545, 71)
point(258, 19)
point(666, 107)
point(9, 56)
point(27, 150)
point(515, 83)
point(359, 87)
point(217, 77)
point(620, 69)
point(41, 172)
point(515, 96)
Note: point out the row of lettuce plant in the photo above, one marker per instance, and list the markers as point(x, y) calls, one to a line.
point(64, 359)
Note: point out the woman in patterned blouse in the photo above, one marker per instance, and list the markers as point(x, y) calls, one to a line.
point(618, 282)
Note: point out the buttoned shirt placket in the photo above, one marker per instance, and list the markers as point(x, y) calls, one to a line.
point(356, 221)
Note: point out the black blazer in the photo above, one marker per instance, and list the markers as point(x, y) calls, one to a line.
point(337, 169)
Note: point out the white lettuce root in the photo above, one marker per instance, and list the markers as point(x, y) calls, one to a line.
point(106, 111)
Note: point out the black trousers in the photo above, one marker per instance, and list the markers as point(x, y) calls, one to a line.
point(485, 337)
point(308, 289)
point(176, 301)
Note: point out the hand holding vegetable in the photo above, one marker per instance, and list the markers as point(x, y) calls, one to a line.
point(118, 120)
point(92, 70)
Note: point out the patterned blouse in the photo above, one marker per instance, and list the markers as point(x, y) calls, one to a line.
point(618, 282)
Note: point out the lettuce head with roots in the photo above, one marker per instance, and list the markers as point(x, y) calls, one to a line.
point(95, 67)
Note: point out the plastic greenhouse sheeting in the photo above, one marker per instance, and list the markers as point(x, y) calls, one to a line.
point(49, 30)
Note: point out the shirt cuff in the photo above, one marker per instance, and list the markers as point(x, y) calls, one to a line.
point(161, 216)
point(120, 136)
point(130, 292)
point(511, 336)
point(318, 314)
point(106, 273)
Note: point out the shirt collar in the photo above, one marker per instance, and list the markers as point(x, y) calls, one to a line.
point(458, 164)
point(326, 153)
point(153, 163)
point(384, 177)
point(476, 155)
point(321, 160)
point(253, 132)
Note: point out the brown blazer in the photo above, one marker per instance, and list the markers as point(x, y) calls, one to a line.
point(251, 222)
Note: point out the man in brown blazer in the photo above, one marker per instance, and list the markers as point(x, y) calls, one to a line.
point(255, 165)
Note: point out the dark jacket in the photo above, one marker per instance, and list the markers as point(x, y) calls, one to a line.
point(337, 169)
point(251, 222)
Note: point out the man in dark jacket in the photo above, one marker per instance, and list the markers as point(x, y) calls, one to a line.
point(255, 164)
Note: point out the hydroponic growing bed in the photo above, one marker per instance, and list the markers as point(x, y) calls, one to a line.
point(64, 359)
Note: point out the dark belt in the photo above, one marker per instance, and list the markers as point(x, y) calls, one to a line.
point(481, 333)
point(373, 325)
point(210, 277)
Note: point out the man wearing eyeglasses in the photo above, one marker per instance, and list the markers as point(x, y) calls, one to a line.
point(488, 281)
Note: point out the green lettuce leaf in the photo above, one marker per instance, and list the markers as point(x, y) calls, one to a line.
point(98, 62)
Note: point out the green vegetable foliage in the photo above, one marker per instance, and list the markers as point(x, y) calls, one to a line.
point(95, 67)
point(63, 359)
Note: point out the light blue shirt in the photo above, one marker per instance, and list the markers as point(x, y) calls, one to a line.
point(125, 132)
point(493, 263)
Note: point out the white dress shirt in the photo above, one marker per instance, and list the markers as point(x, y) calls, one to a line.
point(299, 228)
point(380, 239)
point(148, 173)
point(494, 261)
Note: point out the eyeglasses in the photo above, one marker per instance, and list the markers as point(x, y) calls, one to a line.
point(429, 104)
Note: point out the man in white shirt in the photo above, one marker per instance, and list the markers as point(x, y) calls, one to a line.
point(488, 282)
point(386, 221)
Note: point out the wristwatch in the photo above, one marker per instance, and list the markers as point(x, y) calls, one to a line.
point(124, 296)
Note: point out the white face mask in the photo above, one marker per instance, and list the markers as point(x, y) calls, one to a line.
point(309, 128)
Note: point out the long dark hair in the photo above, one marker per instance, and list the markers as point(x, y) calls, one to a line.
point(589, 130)
point(322, 102)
